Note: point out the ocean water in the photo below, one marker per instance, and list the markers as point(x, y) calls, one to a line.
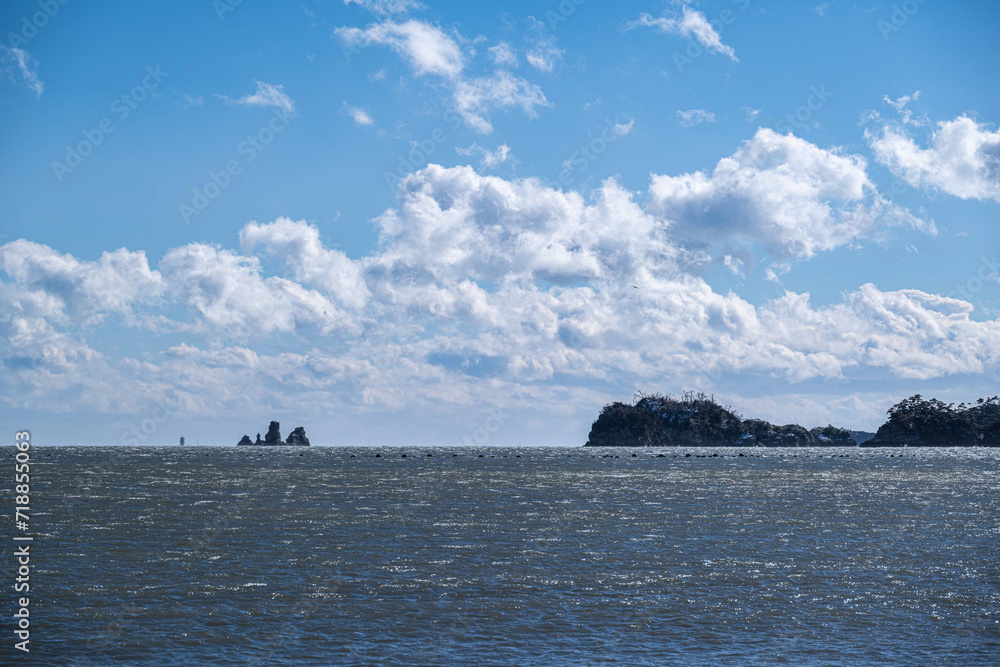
point(521, 556)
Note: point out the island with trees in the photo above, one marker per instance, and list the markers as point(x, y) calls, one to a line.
point(920, 422)
point(696, 419)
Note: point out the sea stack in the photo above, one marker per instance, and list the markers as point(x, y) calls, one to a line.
point(298, 437)
point(273, 438)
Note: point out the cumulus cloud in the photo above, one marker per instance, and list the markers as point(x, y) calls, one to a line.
point(17, 60)
point(694, 117)
point(309, 262)
point(691, 23)
point(228, 295)
point(962, 157)
point(67, 289)
point(268, 95)
point(483, 287)
point(431, 52)
point(792, 196)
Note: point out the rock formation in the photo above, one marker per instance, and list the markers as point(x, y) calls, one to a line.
point(861, 437)
point(298, 437)
point(273, 437)
point(697, 420)
point(919, 422)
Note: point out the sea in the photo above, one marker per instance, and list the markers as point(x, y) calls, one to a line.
point(510, 556)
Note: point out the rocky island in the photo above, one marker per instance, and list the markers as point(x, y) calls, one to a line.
point(273, 438)
point(919, 422)
point(695, 419)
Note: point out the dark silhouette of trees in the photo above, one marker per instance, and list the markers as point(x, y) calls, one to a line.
point(920, 422)
point(658, 420)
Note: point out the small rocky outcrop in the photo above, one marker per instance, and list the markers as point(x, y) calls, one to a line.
point(298, 437)
point(273, 437)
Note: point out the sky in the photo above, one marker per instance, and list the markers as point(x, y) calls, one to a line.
point(402, 222)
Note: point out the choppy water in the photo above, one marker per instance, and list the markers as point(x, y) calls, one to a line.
point(212, 556)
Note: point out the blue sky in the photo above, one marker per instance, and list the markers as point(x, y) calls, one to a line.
point(434, 210)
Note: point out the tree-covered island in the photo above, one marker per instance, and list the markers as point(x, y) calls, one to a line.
point(696, 419)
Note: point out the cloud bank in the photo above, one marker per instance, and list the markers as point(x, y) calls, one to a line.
point(485, 290)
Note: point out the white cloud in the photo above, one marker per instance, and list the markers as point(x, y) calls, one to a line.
point(490, 158)
point(901, 105)
point(620, 129)
point(695, 117)
point(426, 47)
point(782, 191)
point(774, 272)
point(66, 289)
point(229, 296)
point(486, 291)
point(562, 311)
point(502, 54)
point(821, 8)
point(358, 115)
point(544, 55)
point(430, 51)
point(691, 23)
point(751, 113)
point(268, 95)
point(474, 98)
point(387, 7)
point(962, 157)
point(26, 66)
point(309, 263)
point(734, 264)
